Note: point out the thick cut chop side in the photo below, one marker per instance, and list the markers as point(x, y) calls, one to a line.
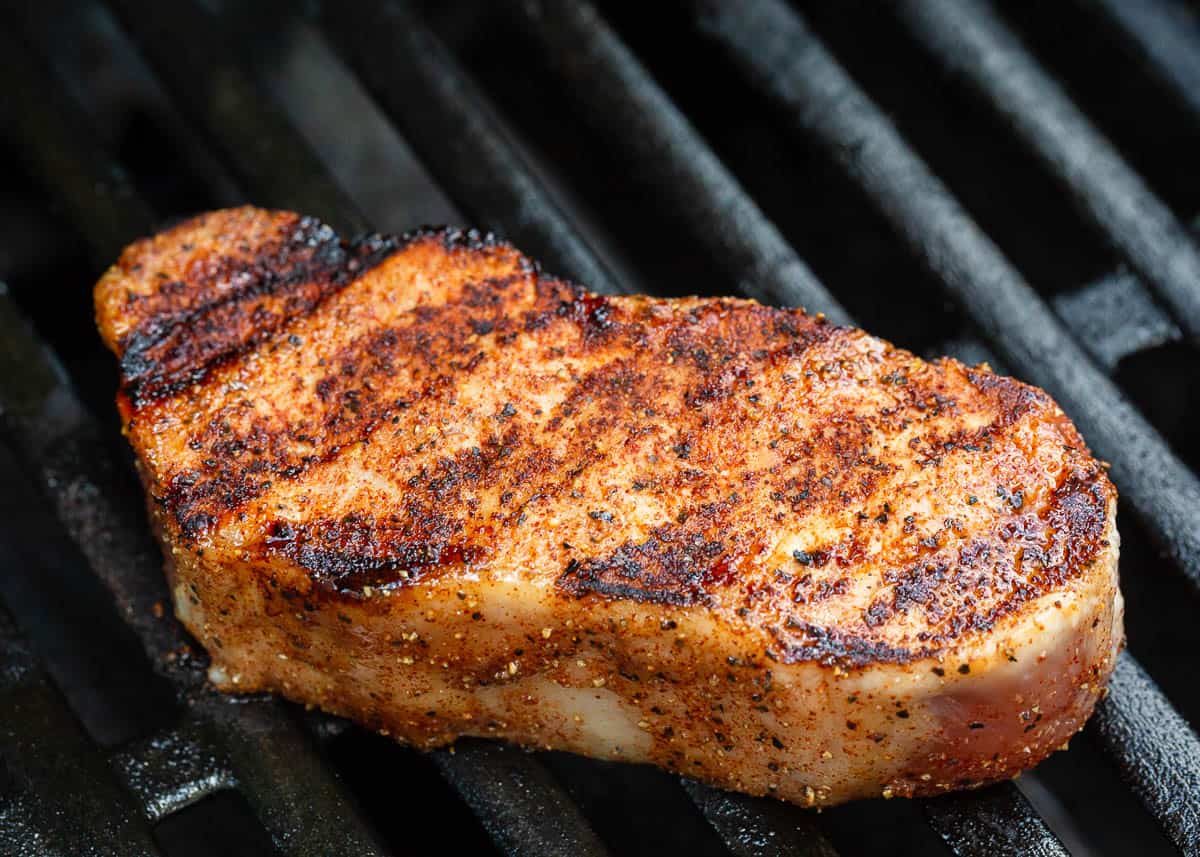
point(416, 482)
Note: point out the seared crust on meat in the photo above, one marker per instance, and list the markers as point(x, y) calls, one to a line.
point(356, 428)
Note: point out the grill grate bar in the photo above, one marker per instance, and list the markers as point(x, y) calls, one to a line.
point(670, 155)
point(992, 821)
point(90, 188)
point(286, 780)
point(1165, 33)
point(174, 769)
point(1155, 749)
point(457, 134)
point(969, 39)
point(37, 403)
point(753, 827)
point(522, 807)
point(184, 46)
point(775, 49)
point(1115, 317)
point(67, 799)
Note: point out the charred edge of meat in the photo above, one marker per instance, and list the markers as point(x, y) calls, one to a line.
point(268, 286)
point(277, 283)
point(349, 555)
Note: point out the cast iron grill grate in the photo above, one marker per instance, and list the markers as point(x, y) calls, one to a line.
point(67, 789)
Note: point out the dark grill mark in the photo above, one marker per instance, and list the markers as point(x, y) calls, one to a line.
point(250, 298)
point(346, 555)
point(803, 641)
point(244, 464)
point(1057, 545)
point(671, 567)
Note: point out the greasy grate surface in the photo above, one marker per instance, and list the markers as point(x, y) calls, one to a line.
point(955, 179)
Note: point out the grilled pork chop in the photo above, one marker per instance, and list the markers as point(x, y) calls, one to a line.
point(417, 482)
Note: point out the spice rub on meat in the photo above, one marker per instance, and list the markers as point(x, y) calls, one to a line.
point(418, 482)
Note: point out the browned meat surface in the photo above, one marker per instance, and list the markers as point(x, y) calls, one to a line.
point(417, 482)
